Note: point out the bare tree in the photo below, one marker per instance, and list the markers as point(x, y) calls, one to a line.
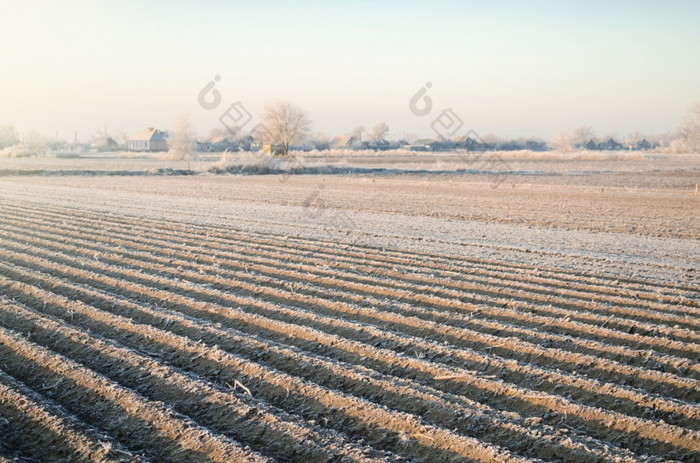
point(492, 139)
point(410, 137)
point(35, 142)
point(635, 137)
point(123, 138)
point(560, 141)
point(357, 133)
point(379, 132)
point(217, 132)
point(320, 141)
point(256, 133)
point(582, 135)
point(182, 142)
point(691, 128)
point(8, 136)
point(283, 124)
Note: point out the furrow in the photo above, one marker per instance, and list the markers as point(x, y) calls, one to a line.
point(118, 410)
point(525, 314)
point(210, 404)
point(384, 258)
point(683, 388)
point(381, 426)
point(632, 321)
point(455, 312)
point(439, 408)
point(572, 409)
point(30, 423)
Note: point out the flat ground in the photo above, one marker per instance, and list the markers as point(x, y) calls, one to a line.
point(414, 309)
point(644, 204)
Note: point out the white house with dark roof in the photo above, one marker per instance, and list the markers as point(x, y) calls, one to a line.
point(149, 140)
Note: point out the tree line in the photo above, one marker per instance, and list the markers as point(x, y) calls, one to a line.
point(284, 125)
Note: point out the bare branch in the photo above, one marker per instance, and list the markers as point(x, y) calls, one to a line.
point(283, 124)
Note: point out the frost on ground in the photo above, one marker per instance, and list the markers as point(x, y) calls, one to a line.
point(540, 220)
point(370, 318)
point(329, 162)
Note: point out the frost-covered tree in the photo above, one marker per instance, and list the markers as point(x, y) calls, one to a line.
point(8, 136)
point(379, 133)
point(123, 138)
point(691, 128)
point(320, 141)
point(560, 141)
point(582, 135)
point(283, 124)
point(635, 137)
point(181, 141)
point(217, 132)
point(35, 142)
point(492, 139)
point(357, 133)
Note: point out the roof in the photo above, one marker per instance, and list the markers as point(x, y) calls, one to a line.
point(150, 134)
point(344, 140)
point(424, 141)
point(220, 140)
point(466, 139)
point(101, 141)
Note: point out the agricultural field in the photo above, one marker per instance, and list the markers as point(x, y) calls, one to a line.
point(546, 312)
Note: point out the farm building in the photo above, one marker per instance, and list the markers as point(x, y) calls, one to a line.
point(104, 144)
point(426, 144)
point(610, 145)
point(346, 142)
point(466, 142)
point(149, 140)
point(220, 144)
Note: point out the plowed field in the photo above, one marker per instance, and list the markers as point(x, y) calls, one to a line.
point(125, 337)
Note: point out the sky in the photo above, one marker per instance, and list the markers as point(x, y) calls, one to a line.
point(515, 68)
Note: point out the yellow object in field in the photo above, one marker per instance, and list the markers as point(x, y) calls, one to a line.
point(273, 150)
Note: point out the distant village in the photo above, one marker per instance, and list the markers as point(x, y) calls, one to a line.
point(155, 140)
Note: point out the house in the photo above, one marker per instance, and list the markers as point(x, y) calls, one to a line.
point(380, 145)
point(426, 144)
point(470, 144)
point(610, 145)
point(246, 144)
point(643, 145)
point(591, 145)
point(104, 144)
point(219, 144)
point(149, 140)
point(346, 142)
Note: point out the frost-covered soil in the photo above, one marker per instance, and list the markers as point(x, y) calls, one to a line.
point(521, 163)
point(423, 316)
point(627, 217)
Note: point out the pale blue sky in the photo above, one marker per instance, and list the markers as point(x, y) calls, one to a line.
point(509, 67)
